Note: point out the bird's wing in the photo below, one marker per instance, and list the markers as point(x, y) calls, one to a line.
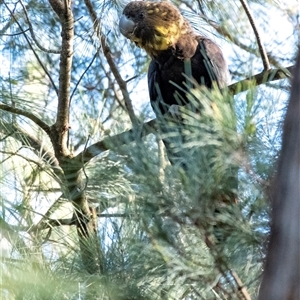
point(154, 83)
point(217, 62)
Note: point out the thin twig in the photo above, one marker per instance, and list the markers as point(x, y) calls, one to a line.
point(20, 155)
point(224, 32)
point(83, 165)
point(34, 52)
point(14, 34)
point(84, 72)
point(242, 289)
point(122, 83)
point(33, 35)
point(261, 47)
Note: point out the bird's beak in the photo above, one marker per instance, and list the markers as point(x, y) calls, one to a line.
point(126, 26)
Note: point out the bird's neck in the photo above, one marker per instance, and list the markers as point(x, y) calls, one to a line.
point(184, 48)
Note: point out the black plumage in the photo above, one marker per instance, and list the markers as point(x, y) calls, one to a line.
point(178, 55)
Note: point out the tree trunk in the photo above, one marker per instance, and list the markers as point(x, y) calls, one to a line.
point(281, 279)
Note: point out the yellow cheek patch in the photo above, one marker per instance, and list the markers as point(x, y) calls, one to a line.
point(162, 30)
point(166, 36)
point(158, 38)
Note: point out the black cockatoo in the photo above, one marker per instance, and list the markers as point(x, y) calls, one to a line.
point(175, 50)
point(178, 55)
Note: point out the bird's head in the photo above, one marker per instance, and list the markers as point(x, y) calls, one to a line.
point(153, 26)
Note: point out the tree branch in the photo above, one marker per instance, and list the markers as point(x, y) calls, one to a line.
point(114, 69)
point(261, 47)
point(241, 288)
point(34, 52)
point(28, 140)
point(223, 31)
point(40, 165)
point(50, 223)
point(227, 34)
point(115, 141)
point(59, 136)
point(260, 78)
point(28, 115)
point(33, 34)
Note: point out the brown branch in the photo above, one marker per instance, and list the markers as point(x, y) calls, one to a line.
point(261, 47)
point(50, 223)
point(115, 141)
point(122, 83)
point(260, 78)
point(59, 136)
point(28, 115)
point(36, 145)
point(241, 288)
point(14, 34)
point(114, 69)
point(58, 7)
point(150, 127)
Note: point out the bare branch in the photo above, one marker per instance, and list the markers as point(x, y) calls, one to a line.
point(19, 134)
point(33, 34)
point(242, 289)
point(261, 47)
point(28, 115)
point(45, 152)
point(34, 52)
point(122, 83)
point(14, 34)
point(9, 23)
point(60, 129)
point(260, 78)
point(115, 141)
point(114, 69)
point(227, 34)
point(223, 31)
point(84, 72)
point(58, 7)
